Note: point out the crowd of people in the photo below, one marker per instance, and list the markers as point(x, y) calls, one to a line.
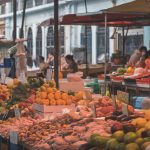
point(67, 63)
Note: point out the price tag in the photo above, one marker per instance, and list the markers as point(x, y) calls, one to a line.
point(13, 137)
point(88, 95)
point(114, 101)
point(123, 96)
point(17, 112)
point(94, 110)
point(66, 111)
point(125, 109)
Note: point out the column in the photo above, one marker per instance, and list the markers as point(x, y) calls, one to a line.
point(43, 42)
point(111, 41)
point(34, 32)
point(67, 39)
point(147, 37)
point(8, 8)
point(94, 39)
point(78, 40)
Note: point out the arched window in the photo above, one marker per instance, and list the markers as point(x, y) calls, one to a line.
point(100, 43)
point(89, 41)
point(30, 41)
point(39, 42)
point(38, 2)
point(50, 40)
point(29, 4)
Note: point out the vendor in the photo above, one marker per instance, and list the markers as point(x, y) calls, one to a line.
point(72, 65)
point(136, 56)
point(147, 61)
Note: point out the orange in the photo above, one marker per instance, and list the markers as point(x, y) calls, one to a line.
point(43, 95)
point(57, 95)
point(49, 90)
point(51, 96)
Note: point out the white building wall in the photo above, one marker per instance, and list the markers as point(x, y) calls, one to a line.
point(36, 15)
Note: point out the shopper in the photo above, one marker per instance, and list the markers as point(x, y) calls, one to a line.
point(12, 73)
point(63, 62)
point(136, 56)
point(50, 60)
point(42, 65)
point(147, 61)
point(72, 65)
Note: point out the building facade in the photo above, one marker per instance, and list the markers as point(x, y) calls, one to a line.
point(40, 39)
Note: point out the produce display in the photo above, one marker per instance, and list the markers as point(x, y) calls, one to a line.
point(111, 129)
point(51, 96)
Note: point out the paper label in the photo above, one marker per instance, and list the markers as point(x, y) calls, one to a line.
point(123, 96)
point(17, 112)
point(66, 111)
point(114, 101)
point(93, 110)
point(88, 95)
point(125, 109)
point(13, 137)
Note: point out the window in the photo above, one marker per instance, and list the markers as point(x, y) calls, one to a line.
point(30, 41)
point(29, 4)
point(100, 43)
point(3, 9)
point(88, 41)
point(38, 2)
point(132, 43)
point(50, 1)
point(50, 40)
point(39, 42)
point(62, 36)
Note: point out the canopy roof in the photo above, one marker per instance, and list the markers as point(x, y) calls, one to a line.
point(135, 13)
point(138, 6)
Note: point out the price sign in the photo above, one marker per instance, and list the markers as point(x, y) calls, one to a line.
point(66, 111)
point(94, 110)
point(13, 137)
point(123, 96)
point(17, 112)
point(88, 95)
point(125, 109)
point(114, 101)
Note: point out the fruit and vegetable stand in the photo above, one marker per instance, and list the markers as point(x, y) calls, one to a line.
point(83, 122)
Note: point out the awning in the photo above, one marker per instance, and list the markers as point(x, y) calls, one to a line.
point(136, 13)
point(113, 19)
point(138, 6)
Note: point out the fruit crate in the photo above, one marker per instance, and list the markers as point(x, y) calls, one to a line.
point(48, 112)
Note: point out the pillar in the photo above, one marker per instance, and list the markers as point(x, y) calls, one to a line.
point(94, 50)
point(34, 32)
point(111, 41)
point(147, 37)
point(67, 39)
point(43, 42)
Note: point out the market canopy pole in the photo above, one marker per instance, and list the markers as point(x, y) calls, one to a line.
point(23, 17)
point(14, 20)
point(56, 43)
